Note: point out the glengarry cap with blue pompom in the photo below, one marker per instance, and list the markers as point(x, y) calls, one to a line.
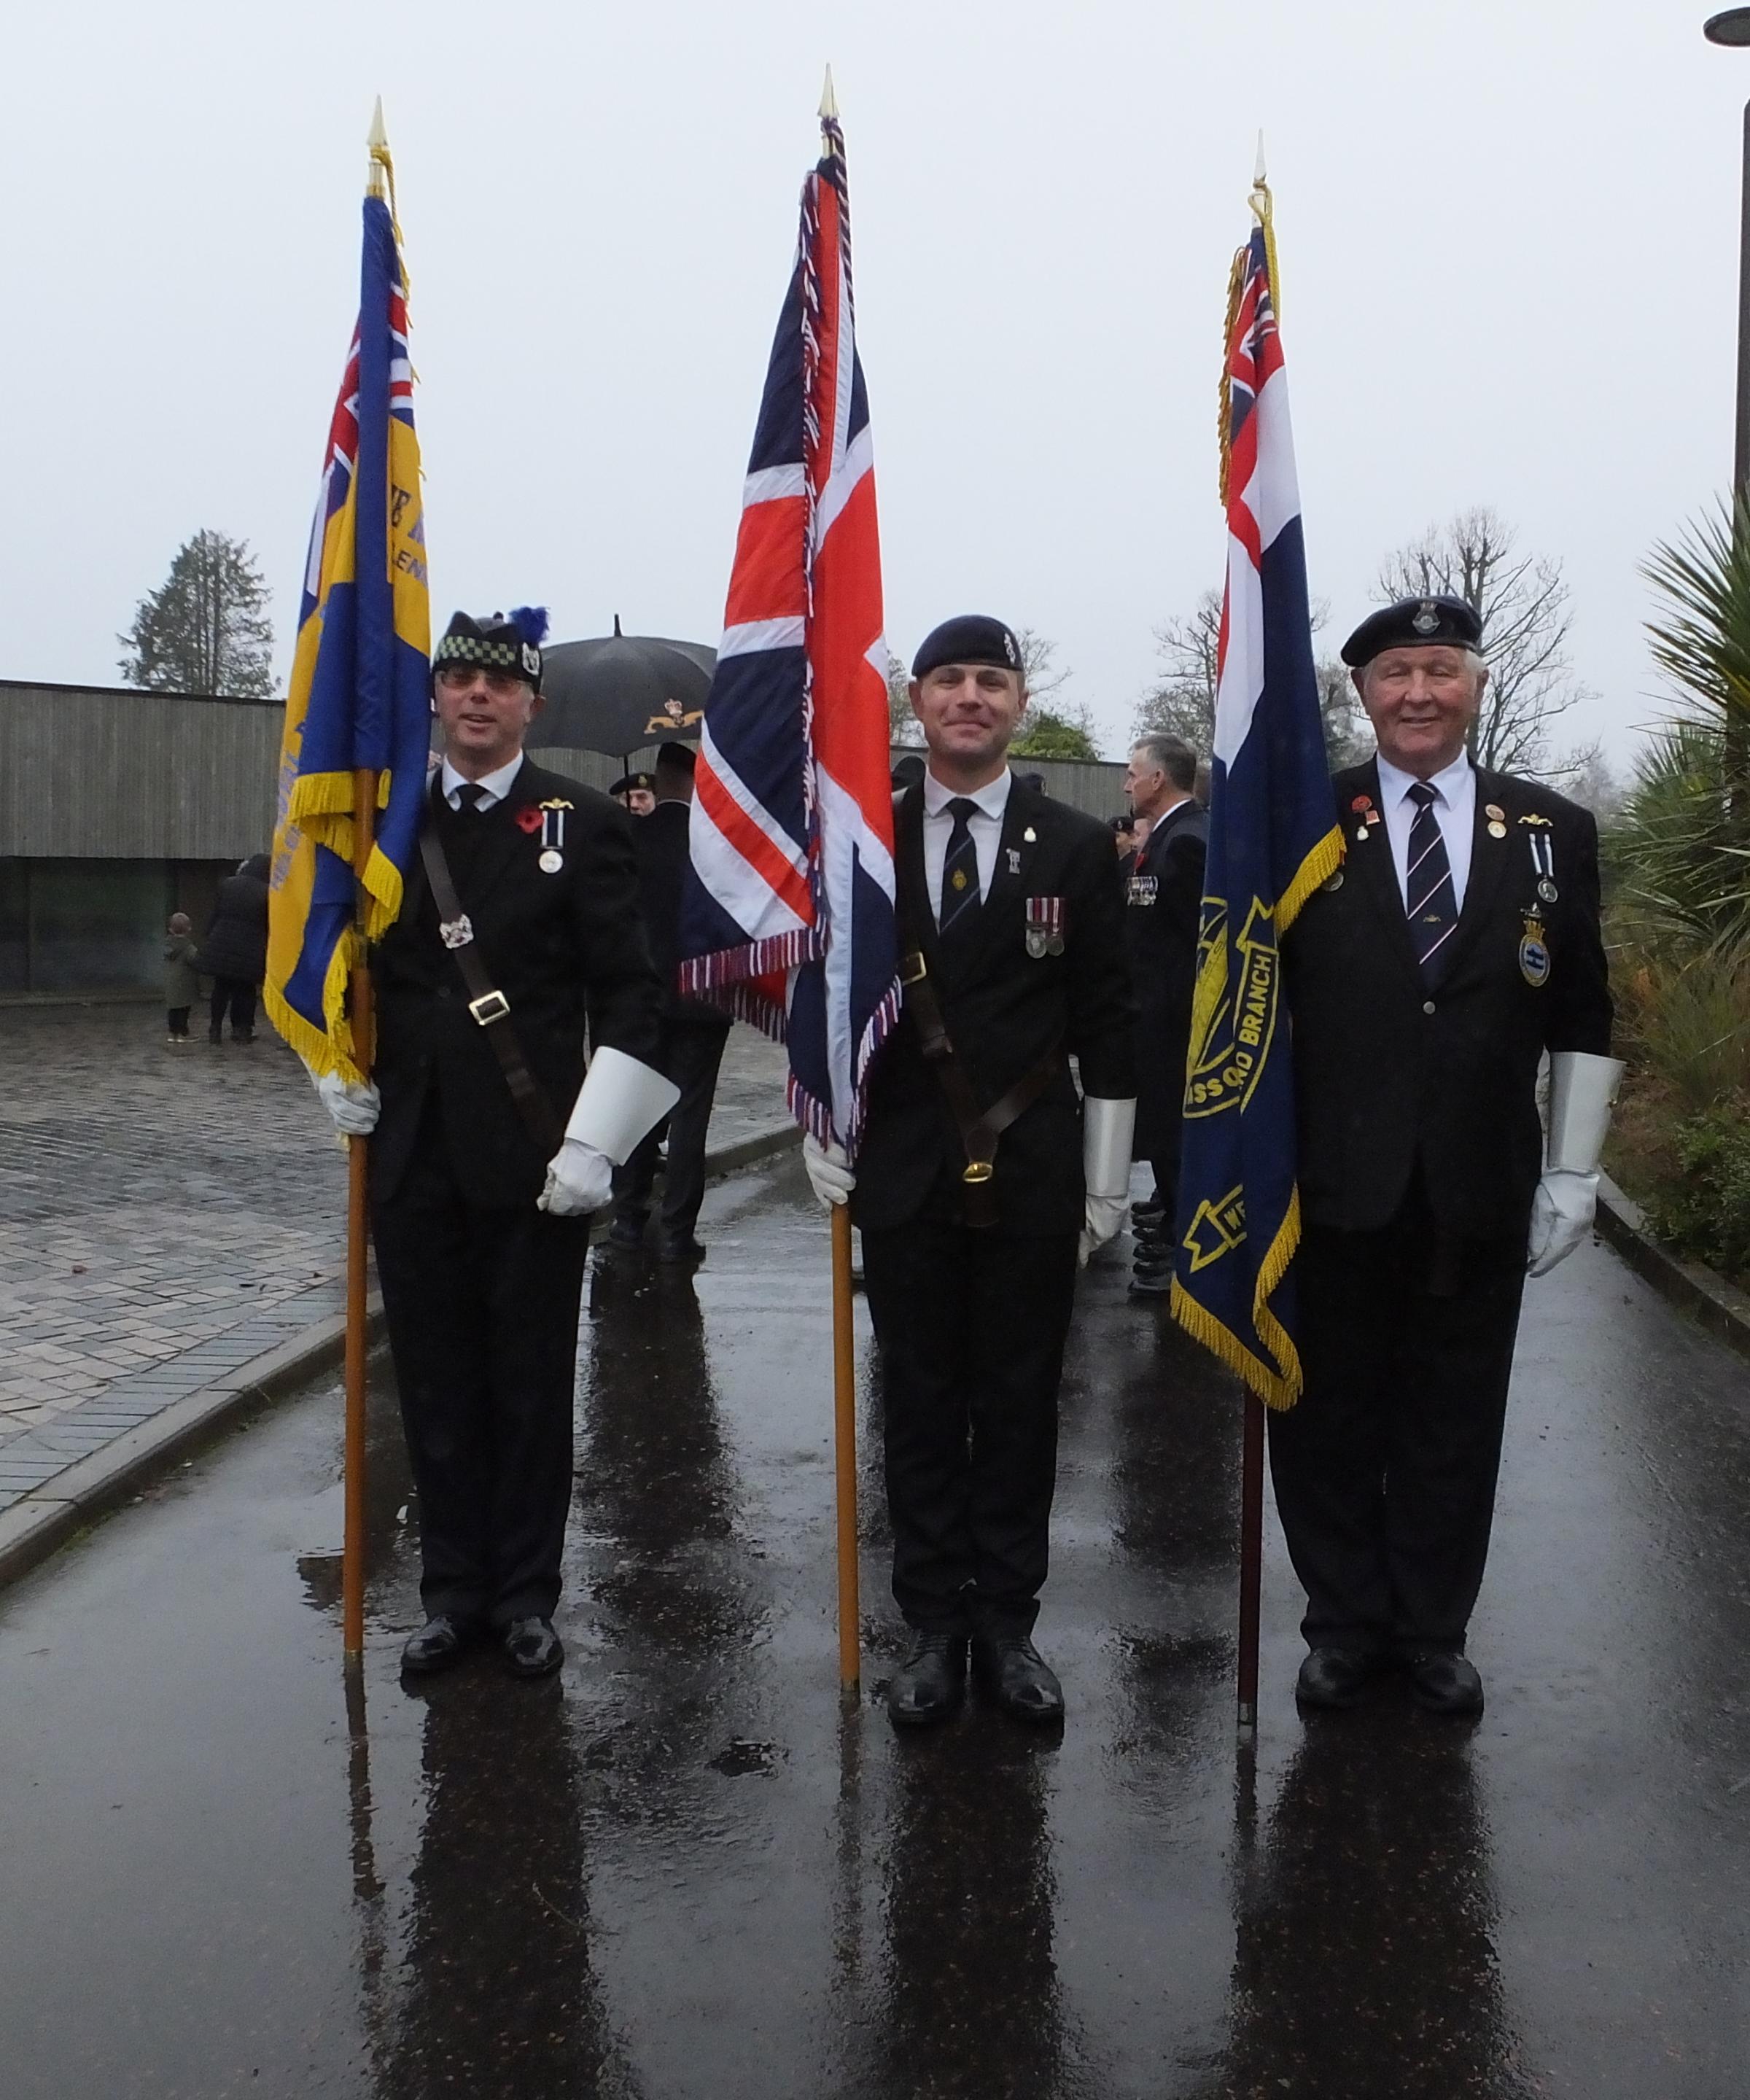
point(496, 642)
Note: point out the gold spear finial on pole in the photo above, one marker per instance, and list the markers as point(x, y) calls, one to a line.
point(829, 102)
point(376, 144)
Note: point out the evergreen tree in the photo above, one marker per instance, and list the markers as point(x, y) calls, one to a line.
point(205, 629)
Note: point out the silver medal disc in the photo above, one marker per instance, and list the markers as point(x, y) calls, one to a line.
point(550, 862)
point(1036, 941)
point(1548, 891)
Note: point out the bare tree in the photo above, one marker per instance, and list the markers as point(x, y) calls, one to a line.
point(1038, 663)
point(902, 725)
point(1521, 601)
point(1183, 703)
point(205, 629)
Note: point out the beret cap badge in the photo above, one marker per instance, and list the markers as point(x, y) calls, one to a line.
point(1426, 620)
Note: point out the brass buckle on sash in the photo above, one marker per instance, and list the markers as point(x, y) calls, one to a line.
point(489, 1006)
point(912, 968)
point(977, 1171)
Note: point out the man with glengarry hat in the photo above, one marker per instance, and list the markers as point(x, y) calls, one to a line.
point(1457, 944)
point(983, 1174)
point(493, 1145)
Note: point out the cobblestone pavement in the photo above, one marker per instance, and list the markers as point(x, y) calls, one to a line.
point(166, 1215)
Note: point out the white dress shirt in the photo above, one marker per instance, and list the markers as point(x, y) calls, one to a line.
point(1455, 810)
point(494, 786)
point(986, 828)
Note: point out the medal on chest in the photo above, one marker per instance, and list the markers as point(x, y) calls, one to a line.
point(552, 836)
point(1045, 926)
point(1534, 950)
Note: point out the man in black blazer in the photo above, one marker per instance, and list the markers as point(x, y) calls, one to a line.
point(693, 1033)
point(491, 1145)
point(1163, 905)
point(1459, 942)
point(982, 1172)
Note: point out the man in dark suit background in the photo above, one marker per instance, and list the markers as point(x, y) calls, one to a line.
point(492, 1144)
point(1458, 943)
point(1163, 901)
point(981, 1173)
point(693, 1033)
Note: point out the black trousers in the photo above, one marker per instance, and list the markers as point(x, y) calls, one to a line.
point(237, 996)
point(177, 1020)
point(691, 1052)
point(482, 1306)
point(1385, 1471)
point(970, 1328)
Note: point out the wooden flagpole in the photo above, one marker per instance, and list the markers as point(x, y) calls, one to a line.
point(1251, 1558)
point(844, 1448)
point(357, 1241)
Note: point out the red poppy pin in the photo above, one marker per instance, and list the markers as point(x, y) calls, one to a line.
point(1361, 802)
point(530, 821)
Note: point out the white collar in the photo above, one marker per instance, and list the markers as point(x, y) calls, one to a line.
point(1449, 783)
point(992, 799)
point(497, 784)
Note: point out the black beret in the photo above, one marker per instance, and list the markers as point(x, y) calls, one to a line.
point(627, 781)
point(1413, 623)
point(495, 643)
point(971, 637)
point(682, 755)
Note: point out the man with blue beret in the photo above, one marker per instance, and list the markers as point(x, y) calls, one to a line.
point(1457, 946)
point(985, 1172)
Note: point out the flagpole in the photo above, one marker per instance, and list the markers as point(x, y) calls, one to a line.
point(359, 1150)
point(845, 1444)
point(843, 1326)
point(1252, 1435)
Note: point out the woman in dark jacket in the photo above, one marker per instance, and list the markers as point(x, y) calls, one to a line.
point(235, 951)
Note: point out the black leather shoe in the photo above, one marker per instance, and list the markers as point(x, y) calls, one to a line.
point(1150, 1282)
point(1444, 1681)
point(624, 1234)
point(1335, 1677)
point(439, 1643)
point(532, 1648)
point(930, 1683)
point(680, 1247)
point(1022, 1682)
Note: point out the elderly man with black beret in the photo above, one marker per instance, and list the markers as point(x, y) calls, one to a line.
point(983, 1172)
point(1459, 944)
point(492, 1143)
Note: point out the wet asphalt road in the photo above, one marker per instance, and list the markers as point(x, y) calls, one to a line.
point(679, 1870)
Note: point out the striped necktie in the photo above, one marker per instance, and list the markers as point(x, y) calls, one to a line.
point(1428, 884)
point(959, 898)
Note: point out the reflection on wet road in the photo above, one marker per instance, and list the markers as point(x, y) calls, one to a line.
point(679, 1869)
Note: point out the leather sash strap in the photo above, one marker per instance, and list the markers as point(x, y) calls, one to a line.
point(979, 1128)
point(489, 1008)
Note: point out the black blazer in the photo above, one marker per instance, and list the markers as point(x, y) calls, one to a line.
point(1004, 1010)
point(564, 948)
point(660, 846)
point(1388, 1074)
point(1163, 905)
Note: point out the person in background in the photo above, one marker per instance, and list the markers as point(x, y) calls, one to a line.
point(181, 980)
point(635, 792)
point(235, 951)
point(693, 1033)
point(1163, 901)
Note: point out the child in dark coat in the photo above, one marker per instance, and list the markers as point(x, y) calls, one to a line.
point(181, 984)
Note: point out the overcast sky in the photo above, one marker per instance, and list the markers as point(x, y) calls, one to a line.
point(1508, 244)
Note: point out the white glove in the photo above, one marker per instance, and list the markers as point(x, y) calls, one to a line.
point(1582, 1087)
point(1562, 1214)
point(355, 1109)
point(1102, 1219)
point(579, 1180)
point(829, 1171)
point(1107, 1129)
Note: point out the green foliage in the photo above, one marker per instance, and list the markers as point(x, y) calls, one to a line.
point(1686, 1021)
point(205, 629)
point(1705, 1212)
point(1054, 732)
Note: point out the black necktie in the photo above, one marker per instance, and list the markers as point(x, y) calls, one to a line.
point(959, 900)
point(1428, 885)
point(469, 795)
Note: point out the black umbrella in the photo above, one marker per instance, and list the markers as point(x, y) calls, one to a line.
point(619, 692)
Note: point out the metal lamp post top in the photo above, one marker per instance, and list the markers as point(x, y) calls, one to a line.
point(1732, 26)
